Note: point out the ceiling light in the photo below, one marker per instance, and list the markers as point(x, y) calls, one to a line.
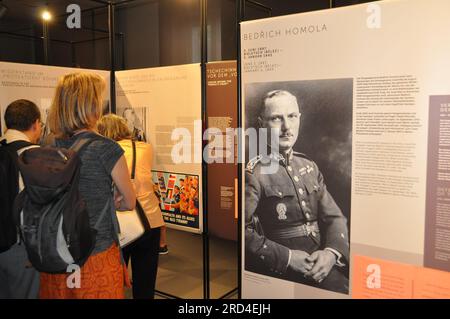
point(46, 15)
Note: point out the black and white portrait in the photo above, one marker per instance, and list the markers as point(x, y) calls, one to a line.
point(297, 216)
point(136, 120)
point(44, 106)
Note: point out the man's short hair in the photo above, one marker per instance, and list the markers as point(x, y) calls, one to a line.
point(273, 94)
point(21, 114)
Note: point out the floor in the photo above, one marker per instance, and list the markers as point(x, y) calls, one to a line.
point(180, 272)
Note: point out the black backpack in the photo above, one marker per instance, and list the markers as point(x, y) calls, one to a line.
point(9, 188)
point(50, 213)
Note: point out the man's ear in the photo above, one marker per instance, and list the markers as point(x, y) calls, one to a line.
point(34, 126)
point(34, 130)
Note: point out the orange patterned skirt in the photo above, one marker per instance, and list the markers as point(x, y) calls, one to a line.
point(102, 277)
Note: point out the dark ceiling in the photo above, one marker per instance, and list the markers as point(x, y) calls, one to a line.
point(30, 10)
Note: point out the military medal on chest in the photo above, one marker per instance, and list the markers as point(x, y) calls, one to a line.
point(281, 210)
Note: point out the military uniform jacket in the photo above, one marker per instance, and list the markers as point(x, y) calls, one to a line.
point(292, 196)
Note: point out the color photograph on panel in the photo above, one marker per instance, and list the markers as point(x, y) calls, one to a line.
point(178, 197)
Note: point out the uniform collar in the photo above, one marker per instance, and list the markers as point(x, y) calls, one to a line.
point(285, 159)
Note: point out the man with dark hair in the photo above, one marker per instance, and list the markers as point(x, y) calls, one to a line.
point(24, 116)
point(294, 228)
point(18, 279)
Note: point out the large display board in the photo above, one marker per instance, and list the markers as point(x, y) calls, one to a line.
point(221, 107)
point(371, 86)
point(36, 83)
point(163, 107)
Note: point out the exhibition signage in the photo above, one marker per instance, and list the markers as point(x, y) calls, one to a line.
point(362, 95)
point(221, 109)
point(162, 106)
point(37, 83)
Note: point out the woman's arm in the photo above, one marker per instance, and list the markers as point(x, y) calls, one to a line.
point(121, 178)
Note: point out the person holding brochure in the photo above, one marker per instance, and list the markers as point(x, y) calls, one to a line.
point(294, 230)
point(144, 251)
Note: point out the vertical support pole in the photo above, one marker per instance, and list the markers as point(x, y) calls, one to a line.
point(122, 39)
point(94, 46)
point(112, 56)
point(73, 54)
point(45, 38)
point(331, 4)
point(205, 234)
point(240, 7)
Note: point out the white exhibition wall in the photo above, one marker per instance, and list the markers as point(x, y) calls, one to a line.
point(36, 83)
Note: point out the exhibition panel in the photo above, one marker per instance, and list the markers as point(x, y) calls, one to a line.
point(163, 106)
point(221, 104)
point(364, 94)
point(39, 82)
point(222, 183)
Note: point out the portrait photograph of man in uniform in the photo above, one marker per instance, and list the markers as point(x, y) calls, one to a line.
point(136, 121)
point(297, 216)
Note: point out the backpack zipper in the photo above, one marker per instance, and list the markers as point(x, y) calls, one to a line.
point(64, 157)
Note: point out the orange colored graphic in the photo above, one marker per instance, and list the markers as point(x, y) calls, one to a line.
point(431, 284)
point(381, 279)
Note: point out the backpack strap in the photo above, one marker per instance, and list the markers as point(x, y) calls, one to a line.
point(133, 167)
point(139, 209)
point(82, 142)
point(16, 145)
point(104, 212)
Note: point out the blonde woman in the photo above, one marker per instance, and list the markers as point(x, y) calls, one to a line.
point(144, 251)
point(75, 110)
